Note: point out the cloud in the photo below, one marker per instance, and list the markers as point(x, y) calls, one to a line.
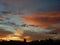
point(29, 6)
point(36, 29)
point(43, 19)
point(41, 36)
point(4, 33)
point(42, 25)
point(40, 18)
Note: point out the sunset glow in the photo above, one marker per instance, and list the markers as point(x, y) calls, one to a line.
point(29, 19)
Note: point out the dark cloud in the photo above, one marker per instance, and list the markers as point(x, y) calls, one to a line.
point(31, 6)
point(37, 36)
point(4, 33)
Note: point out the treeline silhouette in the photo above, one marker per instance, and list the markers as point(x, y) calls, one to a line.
point(42, 42)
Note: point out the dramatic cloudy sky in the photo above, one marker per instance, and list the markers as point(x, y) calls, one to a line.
point(29, 19)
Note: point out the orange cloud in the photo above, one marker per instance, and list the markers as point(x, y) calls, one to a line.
point(43, 19)
point(2, 17)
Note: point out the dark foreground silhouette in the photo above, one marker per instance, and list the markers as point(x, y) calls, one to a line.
point(45, 42)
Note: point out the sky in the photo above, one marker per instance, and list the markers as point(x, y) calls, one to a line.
point(29, 19)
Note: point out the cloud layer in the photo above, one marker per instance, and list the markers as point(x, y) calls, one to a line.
point(29, 19)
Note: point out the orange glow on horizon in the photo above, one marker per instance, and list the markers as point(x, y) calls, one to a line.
point(18, 36)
